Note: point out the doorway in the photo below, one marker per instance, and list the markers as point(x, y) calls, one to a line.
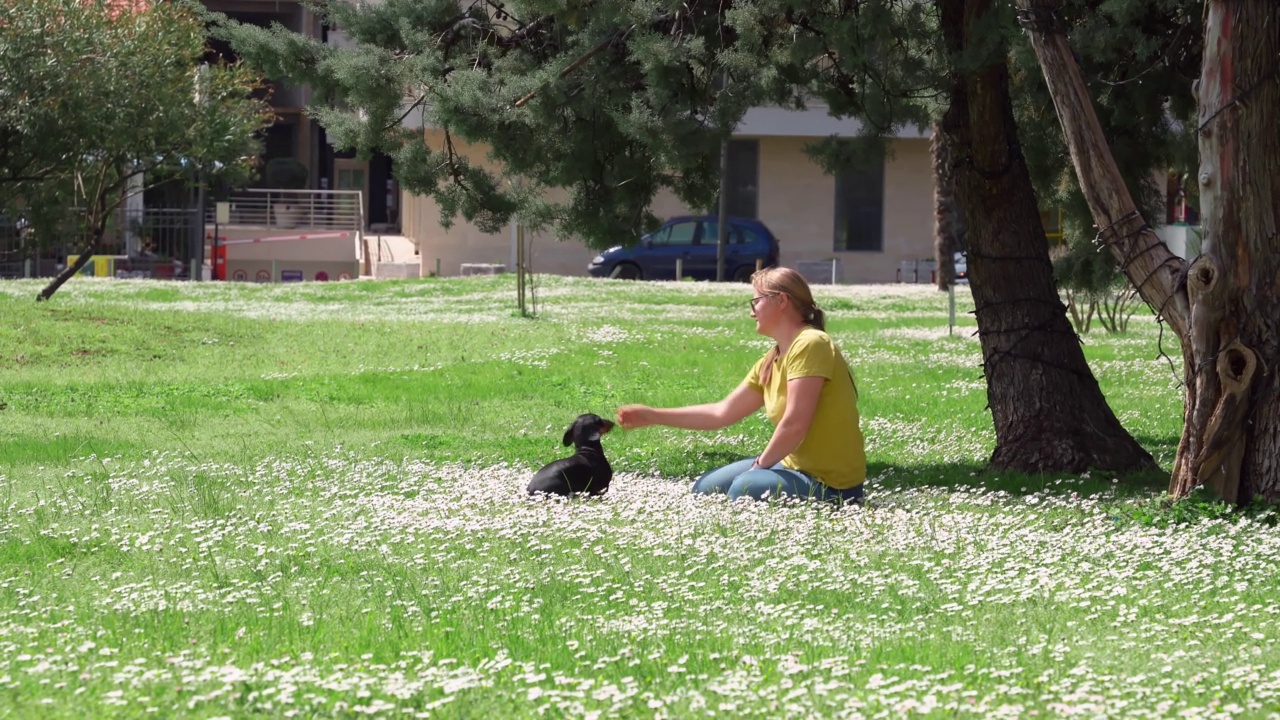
point(350, 174)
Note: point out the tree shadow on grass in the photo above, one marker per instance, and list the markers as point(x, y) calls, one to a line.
point(968, 476)
point(975, 476)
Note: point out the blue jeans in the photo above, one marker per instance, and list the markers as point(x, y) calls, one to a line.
point(738, 479)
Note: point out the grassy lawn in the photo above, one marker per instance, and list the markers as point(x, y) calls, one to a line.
point(228, 500)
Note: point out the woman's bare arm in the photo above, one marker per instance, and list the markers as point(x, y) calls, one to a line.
point(740, 403)
point(802, 402)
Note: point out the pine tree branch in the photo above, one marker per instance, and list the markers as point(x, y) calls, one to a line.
point(614, 37)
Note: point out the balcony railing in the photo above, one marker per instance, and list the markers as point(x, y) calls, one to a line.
point(288, 209)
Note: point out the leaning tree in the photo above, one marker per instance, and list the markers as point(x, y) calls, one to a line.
point(1225, 306)
point(612, 102)
point(98, 95)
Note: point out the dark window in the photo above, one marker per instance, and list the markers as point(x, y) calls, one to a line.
point(744, 179)
point(711, 233)
point(859, 221)
point(279, 141)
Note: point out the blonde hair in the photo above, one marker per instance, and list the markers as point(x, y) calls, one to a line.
point(785, 281)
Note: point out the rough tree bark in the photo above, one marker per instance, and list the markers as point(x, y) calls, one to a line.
point(945, 241)
point(1225, 307)
point(1049, 413)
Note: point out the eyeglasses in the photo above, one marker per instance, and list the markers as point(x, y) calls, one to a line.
point(756, 300)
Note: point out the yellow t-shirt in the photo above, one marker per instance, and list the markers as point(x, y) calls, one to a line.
point(833, 449)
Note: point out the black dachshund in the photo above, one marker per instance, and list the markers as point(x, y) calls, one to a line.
point(586, 471)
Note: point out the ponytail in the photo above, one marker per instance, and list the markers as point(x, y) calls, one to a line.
point(785, 281)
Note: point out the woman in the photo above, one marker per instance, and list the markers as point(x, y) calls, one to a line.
point(806, 390)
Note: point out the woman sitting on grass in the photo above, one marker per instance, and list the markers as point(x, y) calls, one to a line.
point(807, 391)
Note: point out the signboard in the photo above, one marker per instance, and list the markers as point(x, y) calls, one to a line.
point(98, 265)
point(290, 276)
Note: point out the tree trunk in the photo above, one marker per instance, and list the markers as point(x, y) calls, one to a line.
point(86, 254)
point(945, 240)
point(1049, 413)
point(96, 221)
point(1226, 310)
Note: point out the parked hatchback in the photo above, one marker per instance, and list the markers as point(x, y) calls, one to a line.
point(692, 240)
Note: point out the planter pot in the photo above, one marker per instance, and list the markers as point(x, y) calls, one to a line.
point(286, 216)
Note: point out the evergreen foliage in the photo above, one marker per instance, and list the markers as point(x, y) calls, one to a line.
point(615, 102)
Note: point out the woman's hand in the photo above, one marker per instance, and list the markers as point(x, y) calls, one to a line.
point(631, 417)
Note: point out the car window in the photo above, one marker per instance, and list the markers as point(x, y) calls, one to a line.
point(681, 233)
point(711, 233)
point(747, 234)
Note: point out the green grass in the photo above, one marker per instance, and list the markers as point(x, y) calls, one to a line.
point(306, 500)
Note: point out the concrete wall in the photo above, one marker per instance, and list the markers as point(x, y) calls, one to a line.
point(284, 255)
point(465, 243)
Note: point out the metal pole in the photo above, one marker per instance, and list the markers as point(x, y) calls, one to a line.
point(722, 238)
point(520, 280)
point(195, 270)
point(951, 313)
point(833, 271)
point(213, 262)
point(26, 255)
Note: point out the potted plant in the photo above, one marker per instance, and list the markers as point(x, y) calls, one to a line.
point(286, 174)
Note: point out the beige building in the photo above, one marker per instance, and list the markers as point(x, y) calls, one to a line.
point(868, 222)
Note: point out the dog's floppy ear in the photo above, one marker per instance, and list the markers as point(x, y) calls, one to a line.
point(568, 434)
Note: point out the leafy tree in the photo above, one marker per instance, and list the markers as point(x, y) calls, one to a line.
point(94, 95)
point(1223, 306)
point(613, 102)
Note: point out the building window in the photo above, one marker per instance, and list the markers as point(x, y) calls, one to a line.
point(744, 179)
point(859, 221)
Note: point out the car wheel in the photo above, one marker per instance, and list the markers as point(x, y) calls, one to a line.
point(625, 271)
point(743, 274)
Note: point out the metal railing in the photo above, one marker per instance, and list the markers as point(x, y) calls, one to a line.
point(287, 209)
point(144, 237)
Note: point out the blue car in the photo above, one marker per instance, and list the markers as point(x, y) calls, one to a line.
point(692, 239)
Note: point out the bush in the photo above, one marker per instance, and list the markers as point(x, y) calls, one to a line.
point(285, 174)
point(1093, 288)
